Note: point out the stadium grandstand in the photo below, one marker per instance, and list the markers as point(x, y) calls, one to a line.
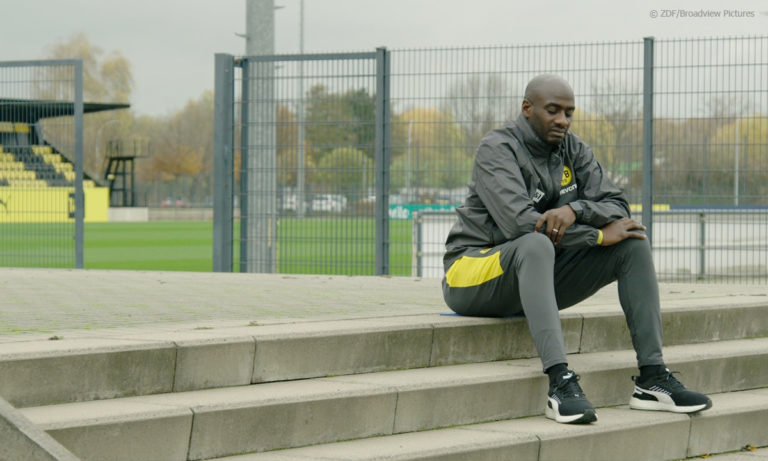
point(26, 158)
point(32, 164)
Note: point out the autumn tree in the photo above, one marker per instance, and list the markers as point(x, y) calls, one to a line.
point(107, 78)
point(620, 104)
point(336, 120)
point(689, 153)
point(181, 151)
point(429, 151)
point(739, 154)
point(597, 132)
point(478, 104)
point(347, 171)
point(288, 148)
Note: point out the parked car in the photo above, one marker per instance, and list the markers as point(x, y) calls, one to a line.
point(171, 202)
point(289, 203)
point(332, 203)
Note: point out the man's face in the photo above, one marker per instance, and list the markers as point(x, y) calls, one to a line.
point(550, 115)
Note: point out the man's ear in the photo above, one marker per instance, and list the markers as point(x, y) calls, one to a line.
point(527, 108)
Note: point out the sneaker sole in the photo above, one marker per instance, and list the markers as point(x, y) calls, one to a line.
point(638, 404)
point(588, 416)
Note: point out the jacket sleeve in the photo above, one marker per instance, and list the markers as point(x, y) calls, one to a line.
point(500, 185)
point(600, 201)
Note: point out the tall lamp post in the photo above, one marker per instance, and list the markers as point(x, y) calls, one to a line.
point(300, 174)
point(736, 167)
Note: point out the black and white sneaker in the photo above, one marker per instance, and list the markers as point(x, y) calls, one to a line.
point(566, 402)
point(665, 393)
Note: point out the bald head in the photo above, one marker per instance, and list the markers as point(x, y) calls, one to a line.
point(548, 105)
point(545, 86)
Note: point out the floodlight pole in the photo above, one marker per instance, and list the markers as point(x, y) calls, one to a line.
point(261, 186)
point(300, 173)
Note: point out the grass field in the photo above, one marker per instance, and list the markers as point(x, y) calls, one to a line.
point(307, 246)
point(172, 246)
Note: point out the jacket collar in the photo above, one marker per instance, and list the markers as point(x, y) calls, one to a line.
point(532, 141)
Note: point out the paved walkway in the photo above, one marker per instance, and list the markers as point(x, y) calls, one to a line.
point(37, 302)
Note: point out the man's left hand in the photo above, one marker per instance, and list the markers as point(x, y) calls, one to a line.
point(555, 222)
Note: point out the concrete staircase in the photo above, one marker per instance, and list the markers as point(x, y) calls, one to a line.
point(418, 387)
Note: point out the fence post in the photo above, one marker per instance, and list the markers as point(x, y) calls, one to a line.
point(223, 150)
point(418, 238)
point(244, 143)
point(79, 193)
point(702, 244)
point(381, 212)
point(648, 138)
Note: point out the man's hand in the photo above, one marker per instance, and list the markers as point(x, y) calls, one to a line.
point(555, 222)
point(621, 229)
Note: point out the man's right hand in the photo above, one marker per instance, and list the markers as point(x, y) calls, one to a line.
point(621, 229)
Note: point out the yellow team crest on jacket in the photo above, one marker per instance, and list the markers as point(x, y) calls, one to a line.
point(567, 177)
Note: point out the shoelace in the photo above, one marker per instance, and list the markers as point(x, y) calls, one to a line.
point(672, 382)
point(667, 379)
point(569, 387)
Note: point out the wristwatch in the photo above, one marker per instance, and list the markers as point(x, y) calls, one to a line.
point(577, 209)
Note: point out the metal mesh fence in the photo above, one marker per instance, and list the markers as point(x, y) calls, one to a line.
point(444, 101)
point(711, 159)
point(38, 125)
point(307, 183)
point(703, 165)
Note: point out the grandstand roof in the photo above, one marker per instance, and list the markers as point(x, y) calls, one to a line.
point(32, 110)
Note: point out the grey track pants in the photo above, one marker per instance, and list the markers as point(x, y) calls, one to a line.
point(527, 276)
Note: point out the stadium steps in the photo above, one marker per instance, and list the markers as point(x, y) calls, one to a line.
point(409, 387)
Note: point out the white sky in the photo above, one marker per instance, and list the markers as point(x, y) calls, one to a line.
point(171, 43)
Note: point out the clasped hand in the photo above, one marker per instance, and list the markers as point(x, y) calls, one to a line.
point(556, 221)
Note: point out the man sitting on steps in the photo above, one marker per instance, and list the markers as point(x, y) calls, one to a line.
point(542, 229)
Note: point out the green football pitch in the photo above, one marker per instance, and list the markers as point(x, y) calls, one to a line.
point(315, 246)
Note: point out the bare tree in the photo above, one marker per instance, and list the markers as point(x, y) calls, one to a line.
point(478, 104)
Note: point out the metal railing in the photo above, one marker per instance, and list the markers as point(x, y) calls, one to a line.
point(690, 245)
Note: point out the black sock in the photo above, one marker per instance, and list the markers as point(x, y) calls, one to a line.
point(650, 371)
point(555, 371)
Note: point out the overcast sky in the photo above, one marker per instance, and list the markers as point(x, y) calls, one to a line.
point(171, 43)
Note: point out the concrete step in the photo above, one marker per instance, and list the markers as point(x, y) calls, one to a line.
point(271, 416)
point(736, 420)
point(120, 363)
point(746, 453)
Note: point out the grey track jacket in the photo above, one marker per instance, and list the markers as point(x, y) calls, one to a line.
point(517, 177)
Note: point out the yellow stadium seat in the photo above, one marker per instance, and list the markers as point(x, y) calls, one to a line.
point(52, 158)
point(10, 165)
point(21, 128)
point(42, 150)
point(19, 175)
point(63, 167)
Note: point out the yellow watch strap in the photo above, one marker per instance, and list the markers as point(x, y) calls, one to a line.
point(599, 237)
